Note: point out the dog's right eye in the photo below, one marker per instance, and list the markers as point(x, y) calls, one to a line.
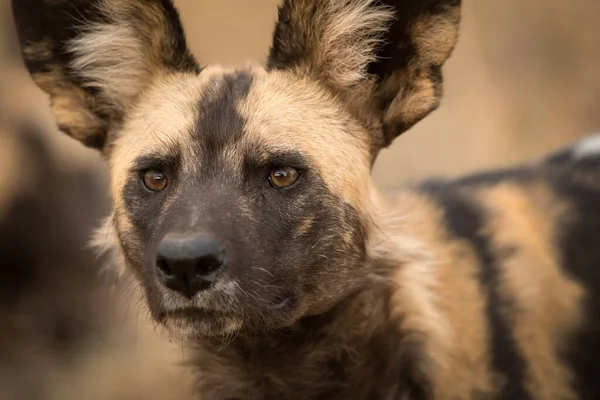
point(154, 180)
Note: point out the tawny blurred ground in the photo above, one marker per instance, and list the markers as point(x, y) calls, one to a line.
point(524, 80)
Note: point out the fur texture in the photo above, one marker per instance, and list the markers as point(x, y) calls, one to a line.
point(477, 288)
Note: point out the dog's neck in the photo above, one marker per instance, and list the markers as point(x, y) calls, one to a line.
point(338, 354)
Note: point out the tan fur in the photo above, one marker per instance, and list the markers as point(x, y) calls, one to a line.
point(305, 227)
point(70, 104)
point(104, 58)
point(547, 302)
point(286, 112)
point(106, 243)
point(435, 36)
point(164, 117)
point(440, 302)
point(122, 57)
point(348, 34)
point(417, 96)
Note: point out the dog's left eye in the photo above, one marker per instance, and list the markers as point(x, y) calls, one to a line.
point(283, 177)
point(154, 180)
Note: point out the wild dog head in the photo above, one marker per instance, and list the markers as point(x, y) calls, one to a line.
point(241, 196)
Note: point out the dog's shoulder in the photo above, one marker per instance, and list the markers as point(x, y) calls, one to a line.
point(513, 281)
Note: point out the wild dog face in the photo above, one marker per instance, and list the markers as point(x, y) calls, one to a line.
point(241, 196)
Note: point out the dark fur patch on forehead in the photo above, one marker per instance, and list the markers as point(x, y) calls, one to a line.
point(220, 124)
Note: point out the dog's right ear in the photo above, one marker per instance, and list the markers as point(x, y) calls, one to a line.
point(96, 57)
point(381, 58)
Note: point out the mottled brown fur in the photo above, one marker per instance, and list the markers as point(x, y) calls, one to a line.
point(329, 289)
point(548, 301)
point(442, 301)
point(95, 75)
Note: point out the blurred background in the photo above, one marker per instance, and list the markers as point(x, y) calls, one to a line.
point(524, 80)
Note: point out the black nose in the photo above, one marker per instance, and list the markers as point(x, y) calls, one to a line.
point(189, 264)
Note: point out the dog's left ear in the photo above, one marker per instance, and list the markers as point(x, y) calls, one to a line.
point(382, 58)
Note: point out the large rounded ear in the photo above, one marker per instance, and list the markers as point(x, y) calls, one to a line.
point(95, 57)
point(383, 58)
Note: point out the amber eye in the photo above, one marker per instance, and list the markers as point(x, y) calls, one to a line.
point(283, 177)
point(155, 180)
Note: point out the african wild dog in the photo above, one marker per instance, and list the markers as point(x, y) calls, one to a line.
point(244, 206)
